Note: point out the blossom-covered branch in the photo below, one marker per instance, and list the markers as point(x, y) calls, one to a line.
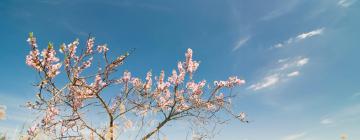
point(77, 98)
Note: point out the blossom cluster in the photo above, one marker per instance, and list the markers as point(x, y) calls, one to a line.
point(127, 77)
point(50, 114)
point(89, 45)
point(102, 48)
point(46, 61)
point(190, 65)
point(81, 90)
point(231, 82)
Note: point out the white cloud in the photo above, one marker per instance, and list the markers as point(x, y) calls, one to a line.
point(283, 60)
point(287, 68)
point(279, 45)
point(293, 64)
point(310, 34)
point(326, 121)
point(266, 82)
point(292, 74)
point(241, 42)
point(302, 61)
point(295, 136)
point(346, 3)
point(300, 37)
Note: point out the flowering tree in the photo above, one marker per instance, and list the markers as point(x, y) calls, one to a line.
point(80, 103)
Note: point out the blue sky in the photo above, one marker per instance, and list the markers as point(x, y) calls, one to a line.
point(300, 58)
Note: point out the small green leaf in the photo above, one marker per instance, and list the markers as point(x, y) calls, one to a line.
point(31, 34)
point(50, 45)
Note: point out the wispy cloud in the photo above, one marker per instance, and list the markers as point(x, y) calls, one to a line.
point(292, 74)
point(75, 30)
point(300, 37)
point(241, 42)
point(326, 121)
point(310, 34)
point(346, 3)
point(295, 136)
point(357, 94)
point(348, 114)
point(302, 61)
point(286, 68)
point(266, 82)
point(281, 10)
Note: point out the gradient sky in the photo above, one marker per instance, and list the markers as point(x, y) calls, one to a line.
point(300, 58)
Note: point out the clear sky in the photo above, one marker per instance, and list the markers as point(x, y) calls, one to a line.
point(300, 58)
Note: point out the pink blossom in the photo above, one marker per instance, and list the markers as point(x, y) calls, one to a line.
point(32, 41)
point(77, 103)
point(126, 77)
point(181, 77)
point(32, 59)
point(89, 45)
point(196, 100)
point(196, 88)
point(48, 61)
point(49, 55)
point(102, 48)
point(181, 107)
point(161, 85)
point(148, 83)
point(51, 113)
point(210, 106)
point(161, 77)
point(179, 95)
point(53, 70)
point(98, 82)
point(220, 99)
point(128, 124)
point(72, 49)
point(164, 102)
point(231, 82)
point(180, 67)
point(81, 92)
point(175, 78)
point(32, 130)
point(136, 82)
point(188, 55)
point(86, 64)
point(190, 65)
point(242, 117)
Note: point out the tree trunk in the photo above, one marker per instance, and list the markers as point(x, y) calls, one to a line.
point(111, 128)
